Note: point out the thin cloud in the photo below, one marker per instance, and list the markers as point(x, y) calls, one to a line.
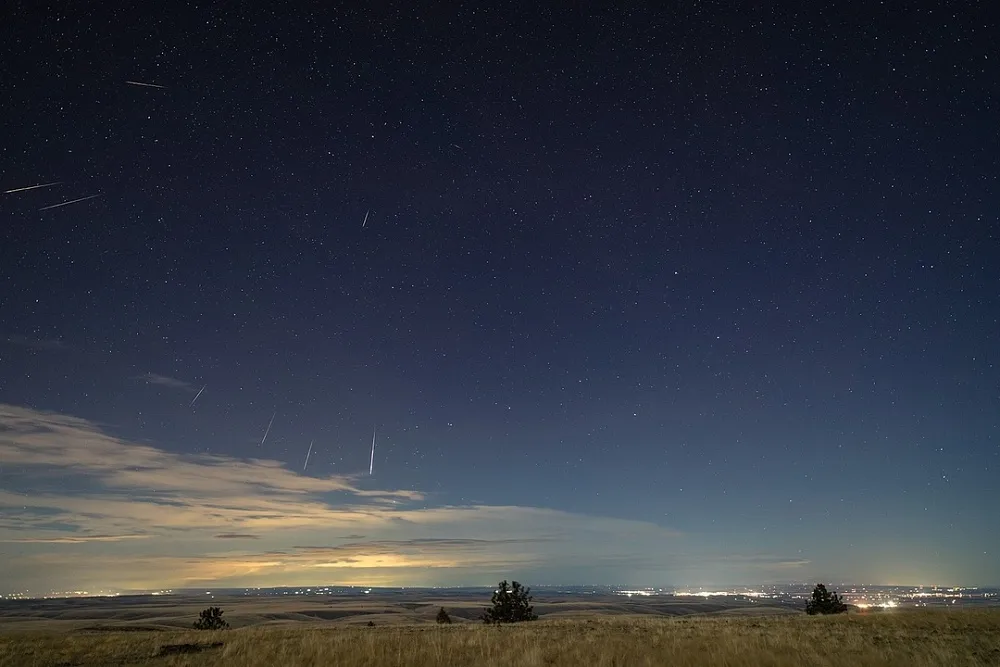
point(165, 381)
point(417, 545)
point(763, 561)
point(75, 539)
point(37, 343)
point(236, 536)
point(783, 564)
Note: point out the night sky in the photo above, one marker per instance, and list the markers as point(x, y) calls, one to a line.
point(666, 294)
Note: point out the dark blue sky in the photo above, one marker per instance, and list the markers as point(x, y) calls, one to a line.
point(710, 294)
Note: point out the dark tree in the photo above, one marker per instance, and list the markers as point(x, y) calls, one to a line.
point(443, 616)
point(210, 619)
point(823, 602)
point(510, 605)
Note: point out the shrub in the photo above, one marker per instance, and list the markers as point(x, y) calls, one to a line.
point(510, 605)
point(443, 616)
point(823, 602)
point(210, 619)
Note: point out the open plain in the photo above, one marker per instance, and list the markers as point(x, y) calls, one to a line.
point(605, 631)
point(398, 607)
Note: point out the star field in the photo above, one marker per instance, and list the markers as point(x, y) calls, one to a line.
point(709, 294)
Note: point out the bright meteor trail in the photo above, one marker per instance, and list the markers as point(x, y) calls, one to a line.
point(307, 455)
point(268, 430)
point(146, 85)
point(67, 203)
point(197, 395)
point(31, 187)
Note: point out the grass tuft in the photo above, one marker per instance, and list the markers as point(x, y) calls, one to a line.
point(968, 638)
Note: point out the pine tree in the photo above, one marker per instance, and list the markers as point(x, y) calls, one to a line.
point(210, 619)
point(510, 605)
point(823, 602)
point(443, 616)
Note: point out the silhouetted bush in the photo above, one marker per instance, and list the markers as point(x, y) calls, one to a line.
point(823, 602)
point(210, 619)
point(443, 616)
point(510, 605)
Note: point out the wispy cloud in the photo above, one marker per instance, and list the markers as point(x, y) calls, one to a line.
point(150, 518)
point(68, 539)
point(37, 343)
point(426, 543)
point(172, 491)
point(765, 561)
point(165, 381)
point(426, 552)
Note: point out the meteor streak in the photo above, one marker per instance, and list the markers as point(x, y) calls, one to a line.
point(197, 395)
point(365, 221)
point(268, 430)
point(371, 465)
point(31, 187)
point(147, 85)
point(307, 455)
point(67, 203)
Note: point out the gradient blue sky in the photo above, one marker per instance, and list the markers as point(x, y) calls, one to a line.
point(650, 295)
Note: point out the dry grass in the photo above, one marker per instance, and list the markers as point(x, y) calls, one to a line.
point(910, 638)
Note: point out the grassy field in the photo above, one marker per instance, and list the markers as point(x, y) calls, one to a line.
point(902, 638)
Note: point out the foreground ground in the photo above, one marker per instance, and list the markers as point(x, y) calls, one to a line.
point(910, 638)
